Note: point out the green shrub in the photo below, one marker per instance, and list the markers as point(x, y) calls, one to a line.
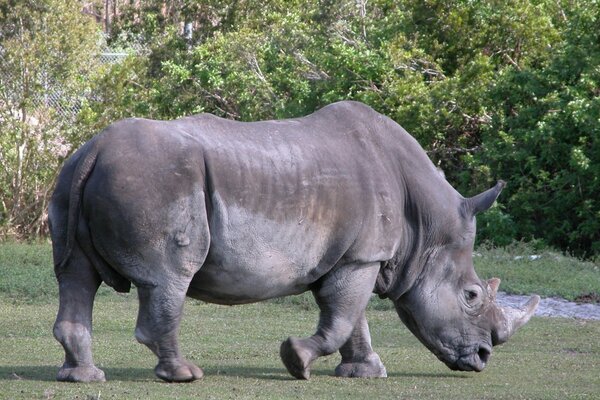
point(545, 138)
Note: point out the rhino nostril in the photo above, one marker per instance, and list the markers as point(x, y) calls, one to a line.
point(484, 354)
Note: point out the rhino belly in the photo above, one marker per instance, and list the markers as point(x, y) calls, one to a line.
point(253, 258)
point(241, 284)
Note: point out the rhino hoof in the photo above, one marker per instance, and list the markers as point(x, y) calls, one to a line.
point(371, 368)
point(88, 373)
point(295, 358)
point(182, 372)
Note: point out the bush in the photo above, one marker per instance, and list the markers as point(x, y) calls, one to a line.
point(45, 50)
point(545, 138)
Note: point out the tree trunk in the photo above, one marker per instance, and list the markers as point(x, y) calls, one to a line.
point(107, 19)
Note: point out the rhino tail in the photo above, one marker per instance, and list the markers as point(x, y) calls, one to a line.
point(82, 171)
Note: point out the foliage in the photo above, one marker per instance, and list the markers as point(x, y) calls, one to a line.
point(492, 90)
point(46, 48)
point(545, 135)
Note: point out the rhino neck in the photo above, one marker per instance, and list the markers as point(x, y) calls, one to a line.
point(398, 275)
point(430, 211)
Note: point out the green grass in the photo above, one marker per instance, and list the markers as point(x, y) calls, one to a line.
point(551, 274)
point(238, 349)
point(238, 346)
point(27, 276)
point(27, 273)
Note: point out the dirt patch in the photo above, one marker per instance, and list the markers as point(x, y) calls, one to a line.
point(588, 298)
point(554, 307)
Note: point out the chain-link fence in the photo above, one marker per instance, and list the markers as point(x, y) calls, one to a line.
point(65, 105)
point(112, 57)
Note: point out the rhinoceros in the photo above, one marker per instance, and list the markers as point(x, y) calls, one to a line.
point(342, 202)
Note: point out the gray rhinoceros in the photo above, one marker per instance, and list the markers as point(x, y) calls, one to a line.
point(342, 202)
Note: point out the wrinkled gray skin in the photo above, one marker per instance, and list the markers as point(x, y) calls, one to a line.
point(342, 202)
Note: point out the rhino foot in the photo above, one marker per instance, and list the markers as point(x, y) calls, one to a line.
point(296, 358)
point(184, 371)
point(85, 373)
point(370, 368)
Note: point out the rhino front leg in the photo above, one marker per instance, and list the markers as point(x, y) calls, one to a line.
point(342, 296)
point(358, 358)
point(78, 283)
point(158, 328)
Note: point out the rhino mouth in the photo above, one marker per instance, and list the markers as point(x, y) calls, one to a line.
point(470, 357)
point(474, 361)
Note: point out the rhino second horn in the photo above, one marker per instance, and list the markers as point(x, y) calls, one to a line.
point(511, 319)
point(493, 285)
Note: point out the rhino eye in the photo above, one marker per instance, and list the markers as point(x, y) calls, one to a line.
point(471, 295)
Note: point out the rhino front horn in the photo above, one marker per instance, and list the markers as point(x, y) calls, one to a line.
point(511, 319)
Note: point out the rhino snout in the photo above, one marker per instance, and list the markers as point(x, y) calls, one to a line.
point(474, 361)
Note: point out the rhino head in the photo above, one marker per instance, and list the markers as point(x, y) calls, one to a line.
point(448, 308)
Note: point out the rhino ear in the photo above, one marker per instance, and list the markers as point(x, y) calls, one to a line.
point(483, 201)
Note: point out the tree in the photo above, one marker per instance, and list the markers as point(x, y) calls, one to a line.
point(545, 136)
point(47, 47)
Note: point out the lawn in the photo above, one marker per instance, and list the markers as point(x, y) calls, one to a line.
point(238, 348)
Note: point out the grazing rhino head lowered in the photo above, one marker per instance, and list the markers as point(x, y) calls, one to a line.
point(342, 202)
point(448, 308)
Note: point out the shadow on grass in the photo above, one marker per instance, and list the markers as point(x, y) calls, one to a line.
point(28, 373)
point(429, 375)
point(47, 373)
point(282, 374)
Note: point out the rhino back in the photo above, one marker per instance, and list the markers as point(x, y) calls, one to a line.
point(288, 201)
point(284, 201)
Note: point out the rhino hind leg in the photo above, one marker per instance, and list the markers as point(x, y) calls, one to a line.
point(158, 328)
point(342, 296)
point(358, 358)
point(78, 283)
